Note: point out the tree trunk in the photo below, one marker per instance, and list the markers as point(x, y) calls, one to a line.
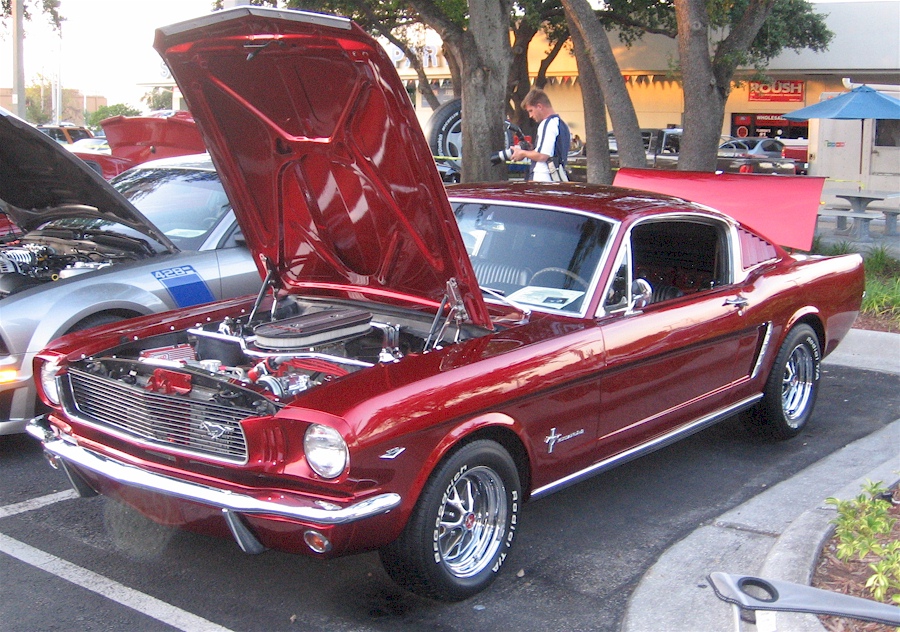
point(520, 81)
point(595, 131)
point(704, 100)
point(484, 55)
point(618, 102)
point(486, 60)
point(707, 81)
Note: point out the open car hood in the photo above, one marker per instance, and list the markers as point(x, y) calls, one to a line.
point(321, 154)
point(40, 180)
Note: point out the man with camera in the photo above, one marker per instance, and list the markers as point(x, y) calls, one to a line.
point(551, 149)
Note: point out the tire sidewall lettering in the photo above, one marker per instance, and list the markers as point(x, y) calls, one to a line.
point(508, 538)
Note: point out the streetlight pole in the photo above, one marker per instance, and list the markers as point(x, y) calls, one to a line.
point(18, 95)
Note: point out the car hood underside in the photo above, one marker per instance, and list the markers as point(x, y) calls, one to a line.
point(321, 154)
point(41, 181)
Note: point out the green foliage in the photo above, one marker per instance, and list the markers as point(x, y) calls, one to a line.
point(882, 297)
point(158, 99)
point(840, 248)
point(792, 24)
point(863, 527)
point(48, 7)
point(880, 262)
point(106, 111)
point(882, 277)
point(882, 284)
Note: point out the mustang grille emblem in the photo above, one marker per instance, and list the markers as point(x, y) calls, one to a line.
point(214, 430)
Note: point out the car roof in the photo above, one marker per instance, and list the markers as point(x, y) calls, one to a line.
point(614, 203)
point(198, 162)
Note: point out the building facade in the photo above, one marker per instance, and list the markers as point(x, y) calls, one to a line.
point(865, 49)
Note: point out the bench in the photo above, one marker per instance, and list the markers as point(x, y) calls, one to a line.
point(890, 221)
point(860, 227)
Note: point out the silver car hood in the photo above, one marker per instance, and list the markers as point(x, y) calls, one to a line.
point(41, 181)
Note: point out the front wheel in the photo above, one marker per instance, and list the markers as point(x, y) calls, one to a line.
point(462, 527)
point(792, 386)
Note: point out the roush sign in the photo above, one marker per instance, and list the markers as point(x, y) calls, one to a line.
point(782, 91)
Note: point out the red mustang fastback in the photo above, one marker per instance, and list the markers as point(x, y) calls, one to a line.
point(415, 367)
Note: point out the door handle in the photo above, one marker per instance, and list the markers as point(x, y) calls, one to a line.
point(737, 301)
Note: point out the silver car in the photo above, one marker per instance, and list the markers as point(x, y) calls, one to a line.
point(88, 256)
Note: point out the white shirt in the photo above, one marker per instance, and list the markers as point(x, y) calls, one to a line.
point(548, 130)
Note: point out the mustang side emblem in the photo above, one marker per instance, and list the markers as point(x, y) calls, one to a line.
point(393, 453)
point(552, 439)
point(214, 430)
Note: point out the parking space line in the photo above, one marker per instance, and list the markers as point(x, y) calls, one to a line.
point(143, 603)
point(36, 503)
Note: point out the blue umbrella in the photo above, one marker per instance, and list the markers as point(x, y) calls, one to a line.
point(861, 102)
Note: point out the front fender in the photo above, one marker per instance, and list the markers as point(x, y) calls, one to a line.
point(421, 455)
point(30, 325)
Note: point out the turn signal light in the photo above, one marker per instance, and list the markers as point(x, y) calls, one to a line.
point(316, 541)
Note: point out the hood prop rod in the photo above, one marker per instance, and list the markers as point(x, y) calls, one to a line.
point(457, 313)
point(267, 283)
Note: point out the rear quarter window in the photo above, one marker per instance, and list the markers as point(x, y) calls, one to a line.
point(755, 249)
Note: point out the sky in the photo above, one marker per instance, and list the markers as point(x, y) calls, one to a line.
point(106, 46)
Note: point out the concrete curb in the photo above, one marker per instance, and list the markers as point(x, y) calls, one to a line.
point(777, 534)
point(795, 553)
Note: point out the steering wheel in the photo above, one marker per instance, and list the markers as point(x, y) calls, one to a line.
point(568, 273)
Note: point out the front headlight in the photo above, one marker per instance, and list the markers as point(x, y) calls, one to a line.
point(48, 381)
point(326, 450)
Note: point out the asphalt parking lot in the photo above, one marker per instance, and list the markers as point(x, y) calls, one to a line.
point(88, 564)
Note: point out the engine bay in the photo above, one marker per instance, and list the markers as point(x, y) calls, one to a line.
point(259, 364)
point(48, 257)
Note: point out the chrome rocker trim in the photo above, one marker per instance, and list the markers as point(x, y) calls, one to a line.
point(660, 442)
point(225, 500)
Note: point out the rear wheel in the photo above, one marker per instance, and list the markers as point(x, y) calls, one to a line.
point(462, 528)
point(792, 387)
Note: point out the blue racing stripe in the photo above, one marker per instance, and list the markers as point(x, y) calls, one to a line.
point(184, 285)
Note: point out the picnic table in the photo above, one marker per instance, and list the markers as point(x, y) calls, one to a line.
point(859, 202)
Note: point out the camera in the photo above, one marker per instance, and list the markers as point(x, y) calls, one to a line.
point(506, 154)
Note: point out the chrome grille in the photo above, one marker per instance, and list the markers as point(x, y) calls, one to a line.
point(174, 422)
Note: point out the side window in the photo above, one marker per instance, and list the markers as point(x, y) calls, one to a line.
point(234, 238)
point(77, 134)
point(618, 295)
point(668, 260)
point(672, 144)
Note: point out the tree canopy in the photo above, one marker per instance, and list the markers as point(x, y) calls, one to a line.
point(716, 38)
point(48, 7)
point(107, 111)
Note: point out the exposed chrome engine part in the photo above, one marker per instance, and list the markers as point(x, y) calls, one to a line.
point(283, 357)
point(26, 264)
point(23, 258)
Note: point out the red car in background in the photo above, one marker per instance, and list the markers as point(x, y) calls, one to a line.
point(415, 367)
point(136, 139)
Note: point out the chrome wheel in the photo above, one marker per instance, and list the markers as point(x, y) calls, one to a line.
point(790, 391)
point(797, 384)
point(472, 521)
point(463, 526)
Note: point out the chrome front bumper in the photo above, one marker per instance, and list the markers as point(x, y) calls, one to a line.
point(227, 501)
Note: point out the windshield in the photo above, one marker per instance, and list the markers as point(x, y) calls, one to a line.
point(184, 204)
point(536, 257)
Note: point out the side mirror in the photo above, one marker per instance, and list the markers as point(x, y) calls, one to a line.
point(641, 294)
